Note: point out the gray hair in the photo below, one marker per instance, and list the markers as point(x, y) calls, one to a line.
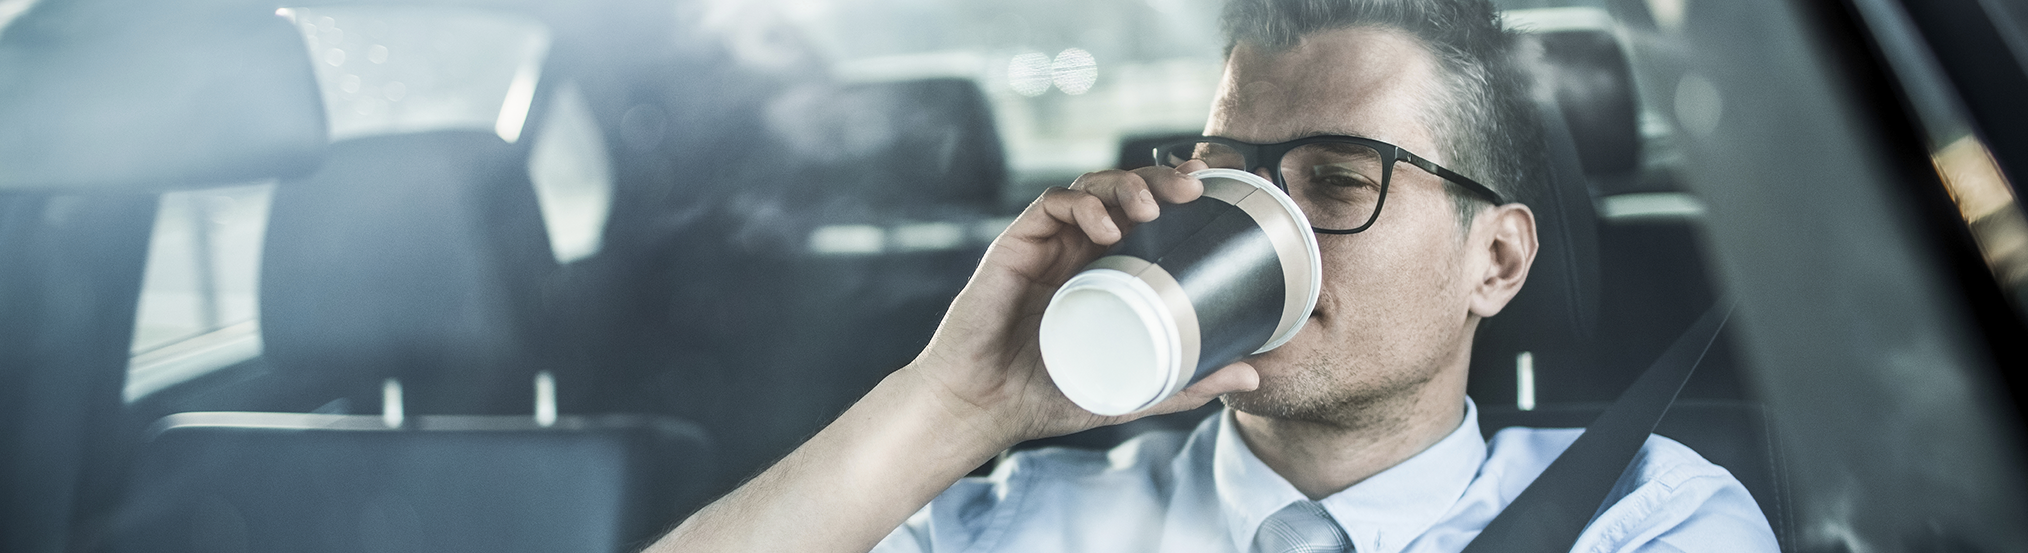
point(1486, 125)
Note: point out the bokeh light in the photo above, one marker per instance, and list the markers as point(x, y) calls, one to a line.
point(1029, 74)
point(1074, 71)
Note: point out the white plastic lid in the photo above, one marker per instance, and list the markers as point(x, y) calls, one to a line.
point(1109, 342)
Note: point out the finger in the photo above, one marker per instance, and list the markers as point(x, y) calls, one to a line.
point(1173, 184)
point(1122, 189)
point(1061, 207)
point(1237, 377)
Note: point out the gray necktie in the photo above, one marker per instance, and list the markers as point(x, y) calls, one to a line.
point(1301, 527)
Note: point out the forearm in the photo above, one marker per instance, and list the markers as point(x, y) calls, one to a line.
point(852, 483)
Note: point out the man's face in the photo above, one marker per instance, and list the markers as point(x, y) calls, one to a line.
point(1393, 313)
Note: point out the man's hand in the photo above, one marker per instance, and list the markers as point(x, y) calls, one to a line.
point(979, 388)
point(985, 359)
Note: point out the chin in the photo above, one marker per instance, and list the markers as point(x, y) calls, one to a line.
point(1307, 384)
point(1273, 404)
point(1288, 389)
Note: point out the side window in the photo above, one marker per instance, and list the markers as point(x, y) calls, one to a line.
point(199, 308)
point(573, 176)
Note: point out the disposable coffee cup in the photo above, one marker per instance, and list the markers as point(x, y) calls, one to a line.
point(1233, 273)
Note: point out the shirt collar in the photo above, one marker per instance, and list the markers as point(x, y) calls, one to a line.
point(1381, 513)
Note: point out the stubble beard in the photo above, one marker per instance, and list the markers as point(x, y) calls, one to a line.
point(1319, 388)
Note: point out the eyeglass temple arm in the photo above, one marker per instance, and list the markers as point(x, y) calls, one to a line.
point(1447, 174)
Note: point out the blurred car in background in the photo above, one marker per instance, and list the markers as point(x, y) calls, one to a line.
point(460, 275)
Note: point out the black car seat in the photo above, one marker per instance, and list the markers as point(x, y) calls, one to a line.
point(1592, 103)
point(96, 124)
point(831, 268)
point(1551, 325)
point(105, 104)
point(414, 263)
point(419, 257)
point(407, 277)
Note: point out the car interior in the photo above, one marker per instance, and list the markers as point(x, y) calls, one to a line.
point(497, 275)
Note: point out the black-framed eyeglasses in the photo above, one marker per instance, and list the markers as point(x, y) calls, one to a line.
point(1340, 182)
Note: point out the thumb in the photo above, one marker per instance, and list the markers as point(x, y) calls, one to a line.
point(1237, 377)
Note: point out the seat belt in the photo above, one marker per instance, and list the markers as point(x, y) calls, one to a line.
point(1549, 515)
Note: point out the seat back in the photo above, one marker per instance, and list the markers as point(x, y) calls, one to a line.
point(1651, 278)
point(419, 257)
point(217, 482)
point(1553, 320)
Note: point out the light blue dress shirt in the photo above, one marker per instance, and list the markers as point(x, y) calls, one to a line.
point(1205, 491)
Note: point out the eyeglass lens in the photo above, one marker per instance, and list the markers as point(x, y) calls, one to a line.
point(1336, 184)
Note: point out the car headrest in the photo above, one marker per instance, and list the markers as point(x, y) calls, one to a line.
point(1593, 85)
point(153, 96)
point(900, 143)
point(417, 256)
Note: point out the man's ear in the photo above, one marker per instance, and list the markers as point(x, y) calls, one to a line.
point(1509, 251)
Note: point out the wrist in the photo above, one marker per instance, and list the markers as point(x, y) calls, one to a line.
point(975, 428)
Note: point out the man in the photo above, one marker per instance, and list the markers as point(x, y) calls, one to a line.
point(1356, 435)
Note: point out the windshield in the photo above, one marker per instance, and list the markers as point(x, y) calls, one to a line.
point(534, 252)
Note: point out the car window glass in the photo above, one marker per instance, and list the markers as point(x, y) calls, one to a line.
point(573, 176)
point(199, 308)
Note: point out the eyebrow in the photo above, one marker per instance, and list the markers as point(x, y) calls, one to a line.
point(1314, 132)
point(1342, 132)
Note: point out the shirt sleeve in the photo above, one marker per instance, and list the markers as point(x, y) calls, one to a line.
point(1727, 519)
point(958, 518)
point(1682, 504)
point(1051, 499)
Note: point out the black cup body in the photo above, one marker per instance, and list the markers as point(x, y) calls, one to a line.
point(1224, 263)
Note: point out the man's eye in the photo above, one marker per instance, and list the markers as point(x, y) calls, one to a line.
point(1339, 176)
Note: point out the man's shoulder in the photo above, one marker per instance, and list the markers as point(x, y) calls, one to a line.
point(1521, 453)
point(1670, 494)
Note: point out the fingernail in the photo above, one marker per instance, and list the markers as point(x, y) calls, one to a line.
point(1147, 197)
